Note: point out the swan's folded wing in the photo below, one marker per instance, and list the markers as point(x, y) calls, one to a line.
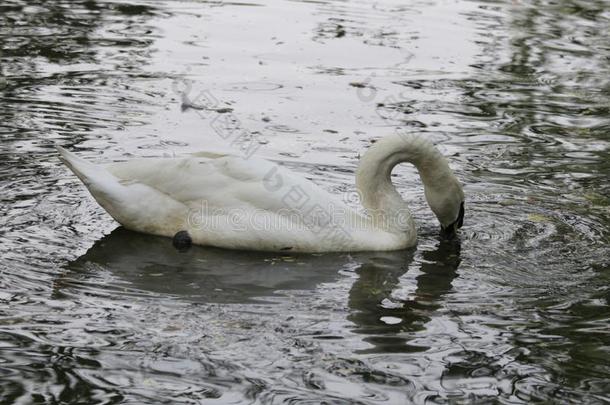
point(223, 181)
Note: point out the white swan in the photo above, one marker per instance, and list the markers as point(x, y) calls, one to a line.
point(230, 202)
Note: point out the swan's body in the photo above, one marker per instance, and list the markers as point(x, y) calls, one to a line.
point(230, 202)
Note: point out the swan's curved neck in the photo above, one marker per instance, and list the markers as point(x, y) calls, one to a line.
point(373, 178)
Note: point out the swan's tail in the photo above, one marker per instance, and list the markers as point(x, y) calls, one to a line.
point(103, 186)
point(101, 183)
point(134, 205)
point(86, 171)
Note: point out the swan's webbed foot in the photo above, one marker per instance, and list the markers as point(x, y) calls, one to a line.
point(182, 241)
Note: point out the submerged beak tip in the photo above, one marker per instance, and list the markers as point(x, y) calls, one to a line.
point(448, 232)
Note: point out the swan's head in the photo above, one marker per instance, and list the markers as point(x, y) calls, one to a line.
point(451, 229)
point(446, 199)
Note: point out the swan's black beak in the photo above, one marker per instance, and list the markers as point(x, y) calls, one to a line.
point(449, 231)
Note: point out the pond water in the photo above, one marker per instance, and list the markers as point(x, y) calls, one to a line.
point(515, 310)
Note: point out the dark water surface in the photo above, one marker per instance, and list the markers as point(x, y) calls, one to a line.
point(516, 310)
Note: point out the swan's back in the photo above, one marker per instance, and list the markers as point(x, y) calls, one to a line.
point(225, 181)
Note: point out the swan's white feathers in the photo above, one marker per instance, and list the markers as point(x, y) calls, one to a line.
point(224, 181)
point(225, 195)
point(127, 202)
point(227, 201)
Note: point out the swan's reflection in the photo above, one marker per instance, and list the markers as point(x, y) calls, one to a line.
point(202, 274)
point(151, 265)
point(385, 321)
